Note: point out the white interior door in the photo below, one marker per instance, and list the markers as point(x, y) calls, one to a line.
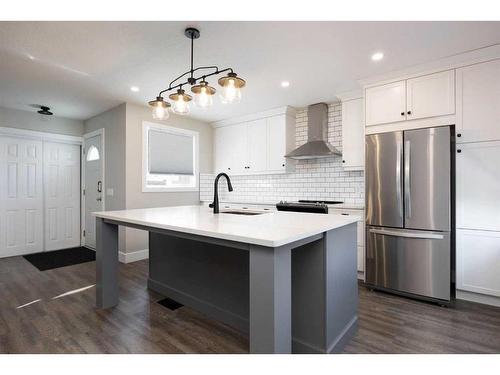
point(21, 198)
point(62, 195)
point(94, 186)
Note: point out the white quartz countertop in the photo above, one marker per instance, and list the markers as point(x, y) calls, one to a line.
point(340, 206)
point(272, 228)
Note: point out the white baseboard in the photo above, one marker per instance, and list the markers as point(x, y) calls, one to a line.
point(133, 256)
point(479, 298)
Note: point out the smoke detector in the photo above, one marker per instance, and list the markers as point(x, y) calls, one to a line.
point(44, 110)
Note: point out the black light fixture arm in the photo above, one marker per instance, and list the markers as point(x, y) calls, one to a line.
point(192, 80)
point(193, 34)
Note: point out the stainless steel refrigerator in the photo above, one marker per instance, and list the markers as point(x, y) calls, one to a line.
point(408, 212)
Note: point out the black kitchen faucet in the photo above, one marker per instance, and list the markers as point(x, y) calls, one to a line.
point(215, 203)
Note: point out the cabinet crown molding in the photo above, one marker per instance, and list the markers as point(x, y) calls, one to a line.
point(447, 63)
point(286, 110)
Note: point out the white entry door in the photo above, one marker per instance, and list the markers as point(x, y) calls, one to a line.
point(94, 193)
point(21, 198)
point(62, 195)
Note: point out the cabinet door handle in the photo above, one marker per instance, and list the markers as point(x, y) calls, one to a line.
point(459, 135)
point(409, 112)
point(402, 113)
point(459, 151)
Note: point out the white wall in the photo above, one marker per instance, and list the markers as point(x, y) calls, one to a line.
point(313, 179)
point(30, 120)
point(113, 122)
point(135, 198)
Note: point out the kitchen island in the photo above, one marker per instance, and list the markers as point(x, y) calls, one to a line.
point(299, 270)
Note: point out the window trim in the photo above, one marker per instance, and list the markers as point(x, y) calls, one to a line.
point(146, 126)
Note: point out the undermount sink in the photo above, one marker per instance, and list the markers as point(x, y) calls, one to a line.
point(242, 212)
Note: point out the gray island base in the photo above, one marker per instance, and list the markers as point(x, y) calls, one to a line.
point(296, 297)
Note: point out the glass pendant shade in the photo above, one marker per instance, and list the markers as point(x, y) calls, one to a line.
point(180, 102)
point(159, 108)
point(231, 88)
point(203, 94)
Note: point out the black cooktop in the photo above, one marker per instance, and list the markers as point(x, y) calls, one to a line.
point(306, 205)
point(318, 201)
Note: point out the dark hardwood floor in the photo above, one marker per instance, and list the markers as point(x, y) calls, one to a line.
point(71, 324)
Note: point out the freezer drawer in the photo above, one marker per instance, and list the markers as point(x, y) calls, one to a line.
point(410, 261)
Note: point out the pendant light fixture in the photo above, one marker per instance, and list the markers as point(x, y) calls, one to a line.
point(180, 102)
point(203, 93)
point(231, 88)
point(160, 108)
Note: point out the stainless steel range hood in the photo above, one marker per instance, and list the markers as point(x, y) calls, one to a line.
point(317, 145)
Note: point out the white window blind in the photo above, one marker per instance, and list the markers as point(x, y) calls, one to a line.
point(170, 154)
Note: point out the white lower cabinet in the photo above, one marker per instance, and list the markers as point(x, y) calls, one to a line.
point(478, 261)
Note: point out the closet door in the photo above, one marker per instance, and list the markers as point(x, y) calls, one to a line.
point(21, 199)
point(62, 195)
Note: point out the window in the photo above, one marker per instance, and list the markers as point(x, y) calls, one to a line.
point(169, 158)
point(92, 153)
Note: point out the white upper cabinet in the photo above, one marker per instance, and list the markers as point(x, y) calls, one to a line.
point(231, 150)
point(478, 186)
point(426, 96)
point(255, 145)
point(277, 144)
point(430, 95)
point(353, 135)
point(478, 102)
point(386, 103)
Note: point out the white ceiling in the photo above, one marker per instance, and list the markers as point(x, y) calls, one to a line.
point(80, 69)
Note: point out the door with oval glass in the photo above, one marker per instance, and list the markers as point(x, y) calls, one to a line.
point(93, 189)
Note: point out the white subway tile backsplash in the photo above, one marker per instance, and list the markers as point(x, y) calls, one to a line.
point(312, 179)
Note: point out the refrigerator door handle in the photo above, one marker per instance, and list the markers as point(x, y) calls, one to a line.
point(407, 179)
point(424, 235)
point(398, 175)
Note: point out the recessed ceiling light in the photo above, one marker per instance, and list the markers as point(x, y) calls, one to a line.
point(285, 84)
point(134, 89)
point(377, 56)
